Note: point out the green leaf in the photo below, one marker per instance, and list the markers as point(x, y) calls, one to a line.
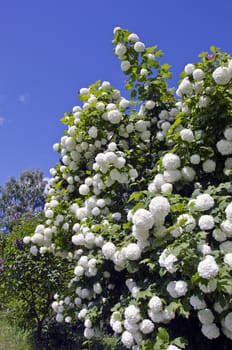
point(163, 334)
point(165, 66)
point(135, 196)
point(180, 342)
point(195, 278)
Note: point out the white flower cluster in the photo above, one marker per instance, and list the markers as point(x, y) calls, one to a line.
point(143, 220)
point(177, 288)
point(197, 303)
point(224, 146)
point(167, 261)
point(132, 328)
point(157, 312)
point(227, 325)
point(209, 328)
point(204, 202)
point(208, 267)
point(222, 75)
point(122, 53)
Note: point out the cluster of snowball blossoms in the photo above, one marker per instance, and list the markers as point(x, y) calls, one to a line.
point(115, 209)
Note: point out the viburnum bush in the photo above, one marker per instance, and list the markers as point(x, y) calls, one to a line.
point(141, 203)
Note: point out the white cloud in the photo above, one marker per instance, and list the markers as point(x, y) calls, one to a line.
point(2, 121)
point(24, 99)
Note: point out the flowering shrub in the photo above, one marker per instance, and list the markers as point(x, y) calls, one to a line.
point(141, 205)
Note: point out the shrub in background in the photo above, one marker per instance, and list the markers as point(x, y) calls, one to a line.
point(28, 283)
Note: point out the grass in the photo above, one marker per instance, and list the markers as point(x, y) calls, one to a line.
point(10, 337)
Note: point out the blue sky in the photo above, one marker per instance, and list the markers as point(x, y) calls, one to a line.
point(49, 49)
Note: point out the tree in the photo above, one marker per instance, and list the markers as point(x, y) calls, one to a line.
point(141, 203)
point(24, 196)
point(28, 283)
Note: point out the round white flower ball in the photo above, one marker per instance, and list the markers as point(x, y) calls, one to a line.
point(177, 288)
point(172, 176)
point(149, 104)
point(139, 46)
point(204, 202)
point(88, 333)
point(226, 227)
point(166, 188)
point(189, 68)
point(108, 250)
point(187, 135)
point(114, 116)
point(197, 303)
point(132, 251)
point(146, 326)
point(228, 133)
point(188, 173)
point(155, 304)
point(125, 66)
point(26, 239)
point(210, 331)
point(205, 316)
point(127, 339)
point(225, 247)
point(221, 76)
point(219, 235)
point(208, 267)
point(143, 219)
point(120, 50)
point(228, 259)
point(171, 161)
point(181, 288)
point(124, 103)
point(144, 72)
point(206, 222)
point(133, 38)
point(84, 91)
point(132, 314)
point(198, 74)
point(93, 132)
point(117, 327)
point(185, 88)
point(34, 250)
point(159, 206)
point(224, 147)
point(100, 106)
point(204, 249)
point(84, 189)
point(49, 214)
point(209, 166)
point(187, 221)
point(88, 323)
point(228, 321)
point(59, 317)
point(79, 271)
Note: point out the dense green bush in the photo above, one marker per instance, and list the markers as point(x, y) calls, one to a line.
point(28, 282)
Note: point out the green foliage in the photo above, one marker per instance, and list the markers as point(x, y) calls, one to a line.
point(24, 196)
point(11, 335)
point(27, 282)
